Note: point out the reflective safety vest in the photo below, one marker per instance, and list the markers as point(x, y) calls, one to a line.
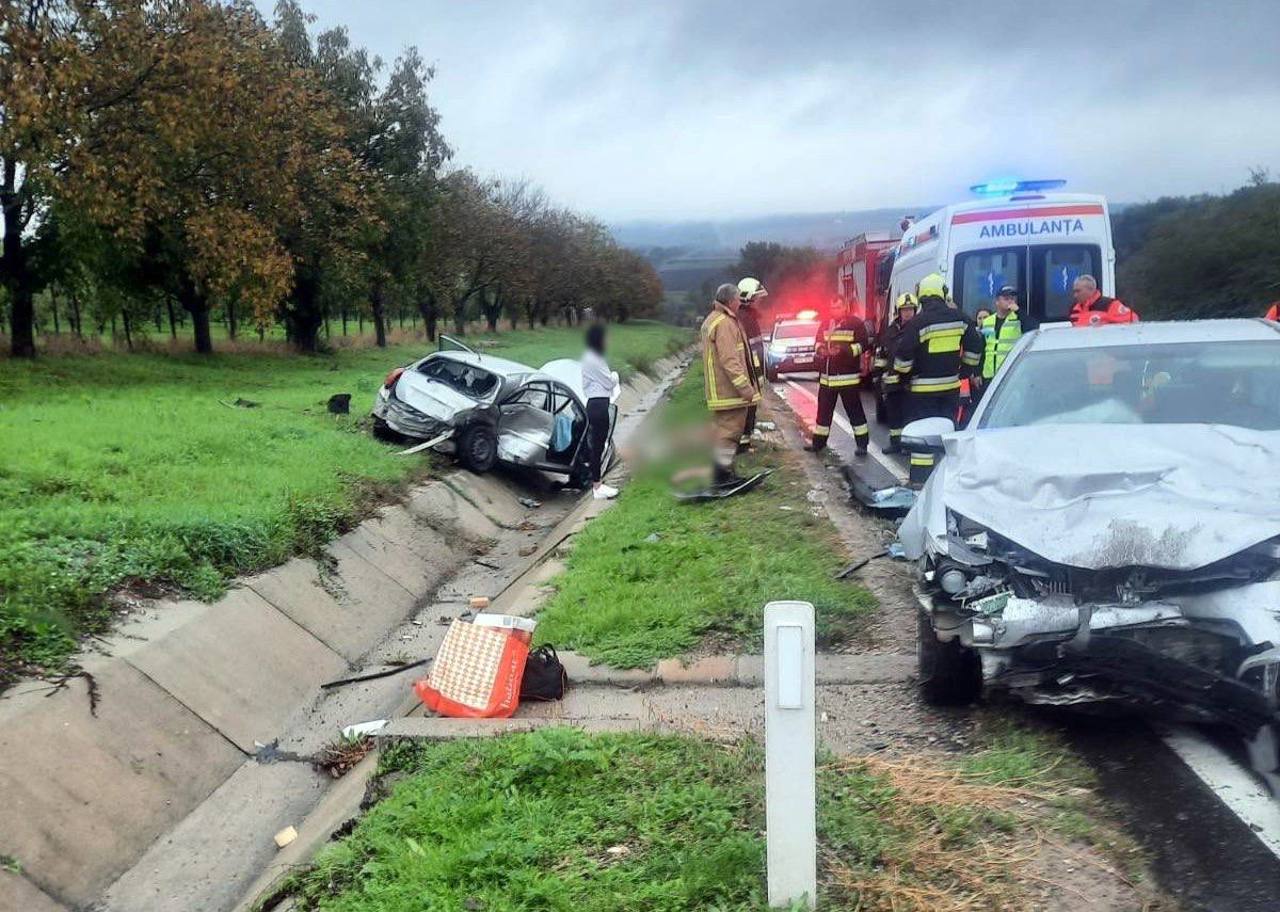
point(844, 342)
point(999, 344)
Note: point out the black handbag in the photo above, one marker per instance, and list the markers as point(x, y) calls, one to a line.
point(544, 677)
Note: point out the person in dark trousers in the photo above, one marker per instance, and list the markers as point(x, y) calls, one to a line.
point(598, 383)
point(841, 342)
point(936, 349)
point(891, 383)
point(750, 293)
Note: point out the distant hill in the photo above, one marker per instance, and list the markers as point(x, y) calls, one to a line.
point(688, 253)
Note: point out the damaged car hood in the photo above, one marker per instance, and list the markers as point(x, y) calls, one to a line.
point(1098, 496)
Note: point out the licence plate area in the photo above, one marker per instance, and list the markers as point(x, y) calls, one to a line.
point(802, 357)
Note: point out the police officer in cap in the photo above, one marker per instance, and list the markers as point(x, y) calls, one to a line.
point(1001, 330)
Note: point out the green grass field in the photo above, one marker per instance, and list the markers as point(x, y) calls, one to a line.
point(561, 820)
point(127, 469)
point(628, 601)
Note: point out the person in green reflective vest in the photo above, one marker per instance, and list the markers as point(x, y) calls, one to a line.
point(1001, 330)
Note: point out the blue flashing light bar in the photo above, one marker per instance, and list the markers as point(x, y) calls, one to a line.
point(1005, 187)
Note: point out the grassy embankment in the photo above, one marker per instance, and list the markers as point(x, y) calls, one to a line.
point(141, 470)
point(628, 599)
point(560, 820)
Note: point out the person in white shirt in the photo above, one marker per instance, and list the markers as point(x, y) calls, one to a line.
point(597, 386)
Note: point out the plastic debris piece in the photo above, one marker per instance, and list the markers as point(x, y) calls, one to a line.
point(286, 836)
point(478, 602)
point(653, 537)
point(364, 728)
point(530, 503)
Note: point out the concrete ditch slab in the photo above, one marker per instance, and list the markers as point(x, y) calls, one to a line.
point(443, 508)
point(17, 894)
point(230, 835)
point(107, 786)
point(240, 665)
point(582, 703)
point(349, 608)
point(490, 495)
point(416, 574)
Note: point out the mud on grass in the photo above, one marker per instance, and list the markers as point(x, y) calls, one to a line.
point(558, 819)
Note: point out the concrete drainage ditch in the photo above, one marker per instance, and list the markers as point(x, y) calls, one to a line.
point(167, 794)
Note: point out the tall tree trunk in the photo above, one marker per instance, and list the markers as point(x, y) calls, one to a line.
point(53, 304)
point(344, 319)
point(195, 304)
point(75, 310)
point(231, 319)
point(303, 318)
point(155, 315)
point(378, 304)
point(173, 323)
point(15, 268)
point(428, 307)
point(128, 330)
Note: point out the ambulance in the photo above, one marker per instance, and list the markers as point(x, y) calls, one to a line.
point(1016, 233)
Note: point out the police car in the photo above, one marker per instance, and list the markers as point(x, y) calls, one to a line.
point(793, 346)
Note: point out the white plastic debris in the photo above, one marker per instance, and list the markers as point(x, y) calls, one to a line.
point(360, 729)
point(286, 836)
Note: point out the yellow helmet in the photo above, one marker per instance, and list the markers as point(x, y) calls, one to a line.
point(931, 286)
point(906, 299)
point(749, 289)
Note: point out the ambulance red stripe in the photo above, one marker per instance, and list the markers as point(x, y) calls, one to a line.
point(1002, 215)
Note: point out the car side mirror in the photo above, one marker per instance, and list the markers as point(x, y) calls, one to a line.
point(926, 434)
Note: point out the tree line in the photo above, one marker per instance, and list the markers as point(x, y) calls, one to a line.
point(192, 156)
point(1190, 257)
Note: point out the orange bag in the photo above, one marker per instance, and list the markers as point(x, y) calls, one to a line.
point(476, 674)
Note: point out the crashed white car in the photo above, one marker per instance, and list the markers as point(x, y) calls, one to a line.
point(488, 410)
point(1107, 528)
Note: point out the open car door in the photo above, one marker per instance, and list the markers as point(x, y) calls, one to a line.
point(526, 425)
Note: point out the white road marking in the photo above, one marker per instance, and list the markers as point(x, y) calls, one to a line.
point(878, 454)
point(1234, 786)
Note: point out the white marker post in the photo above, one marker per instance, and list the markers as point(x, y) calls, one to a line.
point(790, 745)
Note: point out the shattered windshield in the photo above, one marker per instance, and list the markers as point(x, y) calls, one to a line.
point(465, 378)
point(1236, 383)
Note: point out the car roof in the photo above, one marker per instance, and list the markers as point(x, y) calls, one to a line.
point(1060, 338)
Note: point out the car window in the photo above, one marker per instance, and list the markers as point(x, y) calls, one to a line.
point(465, 378)
point(535, 394)
point(1235, 383)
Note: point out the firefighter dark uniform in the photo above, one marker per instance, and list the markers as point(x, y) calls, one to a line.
point(1100, 310)
point(749, 319)
point(844, 339)
point(891, 385)
point(934, 351)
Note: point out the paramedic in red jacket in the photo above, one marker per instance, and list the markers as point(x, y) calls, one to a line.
point(1093, 308)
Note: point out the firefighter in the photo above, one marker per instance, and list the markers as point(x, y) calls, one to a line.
point(1093, 308)
point(751, 291)
point(933, 352)
point(890, 380)
point(731, 382)
point(1001, 330)
point(842, 341)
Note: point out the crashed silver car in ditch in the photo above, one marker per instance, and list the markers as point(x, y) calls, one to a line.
point(1107, 528)
point(488, 410)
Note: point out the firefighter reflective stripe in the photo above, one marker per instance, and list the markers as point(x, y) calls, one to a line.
point(922, 459)
point(880, 362)
point(942, 337)
point(935, 384)
point(971, 358)
point(861, 430)
point(895, 432)
point(901, 366)
point(839, 380)
point(740, 380)
point(820, 430)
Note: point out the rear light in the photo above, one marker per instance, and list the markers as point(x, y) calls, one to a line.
point(393, 377)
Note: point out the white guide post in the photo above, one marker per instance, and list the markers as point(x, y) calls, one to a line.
point(790, 731)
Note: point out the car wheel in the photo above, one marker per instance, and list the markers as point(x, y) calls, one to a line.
point(383, 431)
point(950, 673)
point(478, 448)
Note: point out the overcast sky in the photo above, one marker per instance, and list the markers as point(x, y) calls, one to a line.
point(713, 108)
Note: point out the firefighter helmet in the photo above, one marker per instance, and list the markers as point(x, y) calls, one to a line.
point(906, 299)
point(749, 289)
point(931, 286)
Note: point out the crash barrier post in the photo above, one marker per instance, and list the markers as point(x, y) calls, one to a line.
point(790, 734)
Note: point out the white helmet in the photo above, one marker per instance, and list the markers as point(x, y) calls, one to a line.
point(750, 289)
